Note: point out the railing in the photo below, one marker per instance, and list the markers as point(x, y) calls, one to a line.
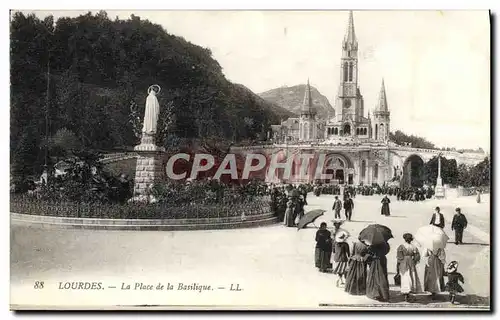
point(33, 206)
point(118, 157)
point(368, 143)
point(472, 191)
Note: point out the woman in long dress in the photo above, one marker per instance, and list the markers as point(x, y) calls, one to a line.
point(336, 227)
point(408, 257)
point(385, 206)
point(341, 257)
point(356, 275)
point(434, 271)
point(377, 284)
point(288, 221)
point(323, 250)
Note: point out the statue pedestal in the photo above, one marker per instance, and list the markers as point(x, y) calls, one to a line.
point(439, 190)
point(149, 168)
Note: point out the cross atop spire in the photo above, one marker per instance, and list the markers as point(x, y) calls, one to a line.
point(307, 104)
point(382, 99)
point(350, 36)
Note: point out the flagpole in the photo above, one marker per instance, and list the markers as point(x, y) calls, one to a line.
point(47, 108)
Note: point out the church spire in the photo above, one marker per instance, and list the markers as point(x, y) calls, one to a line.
point(350, 36)
point(382, 99)
point(307, 105)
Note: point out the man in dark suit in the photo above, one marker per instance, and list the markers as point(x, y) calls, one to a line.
point(337, 206)
point(459, 224)
point(348, 206)
point(437, 218)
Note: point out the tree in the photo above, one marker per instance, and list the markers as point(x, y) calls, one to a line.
point(100, 66)
point(464, 175)
point(25, 155)
point(64, 142)
point(449, 171)
point(403, 139)
point(474, 176)
point(480, 174)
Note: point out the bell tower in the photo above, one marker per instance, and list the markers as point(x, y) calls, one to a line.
point(307, 121)
point(349, 103)
point(381, 123)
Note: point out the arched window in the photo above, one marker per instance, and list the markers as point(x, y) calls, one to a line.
point(382, 131)
point(376, 131)
point(306, 131)
point(375, 171)
point(345, 70)
point(365, 131)
point(350, 71)
point(357, 131)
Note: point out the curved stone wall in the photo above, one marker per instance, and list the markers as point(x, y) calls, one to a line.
point(143, 224)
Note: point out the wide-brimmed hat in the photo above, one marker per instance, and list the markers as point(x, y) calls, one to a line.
point(341, 235)
point(452, 267)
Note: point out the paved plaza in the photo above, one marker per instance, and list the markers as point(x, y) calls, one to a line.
point(274, 265)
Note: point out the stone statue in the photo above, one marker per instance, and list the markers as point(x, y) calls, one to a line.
point(152, 111)
point(150, 123)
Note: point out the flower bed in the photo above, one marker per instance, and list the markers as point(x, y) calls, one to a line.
point(34, 206)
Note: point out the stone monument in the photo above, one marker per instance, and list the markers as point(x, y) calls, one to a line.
point(439, 190)
point(149, 167)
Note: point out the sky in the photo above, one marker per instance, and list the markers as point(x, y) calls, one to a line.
point(435, 64)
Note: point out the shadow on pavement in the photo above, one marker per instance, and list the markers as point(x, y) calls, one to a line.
point(440, 299)
point(470, 244)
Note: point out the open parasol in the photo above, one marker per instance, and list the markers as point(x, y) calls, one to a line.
point(310, 217)
point(431, 237)
point(375, 234)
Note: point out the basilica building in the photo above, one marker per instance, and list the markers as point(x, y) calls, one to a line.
point(354, 144)
point(348, 119)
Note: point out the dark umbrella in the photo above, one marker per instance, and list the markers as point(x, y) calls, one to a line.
point(309, 218)
point(375, 234)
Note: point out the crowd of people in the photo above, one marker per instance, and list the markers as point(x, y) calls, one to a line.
point(362, 269)
point(289, 198)
point(407, 193)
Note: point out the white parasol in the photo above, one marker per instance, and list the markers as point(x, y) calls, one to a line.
point(431, 237)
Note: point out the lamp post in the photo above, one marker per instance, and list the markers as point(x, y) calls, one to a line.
point(45, 175)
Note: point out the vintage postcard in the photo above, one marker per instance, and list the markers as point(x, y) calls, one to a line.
point(250, 160)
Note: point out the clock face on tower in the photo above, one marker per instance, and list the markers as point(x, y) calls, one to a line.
point(347, 103)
